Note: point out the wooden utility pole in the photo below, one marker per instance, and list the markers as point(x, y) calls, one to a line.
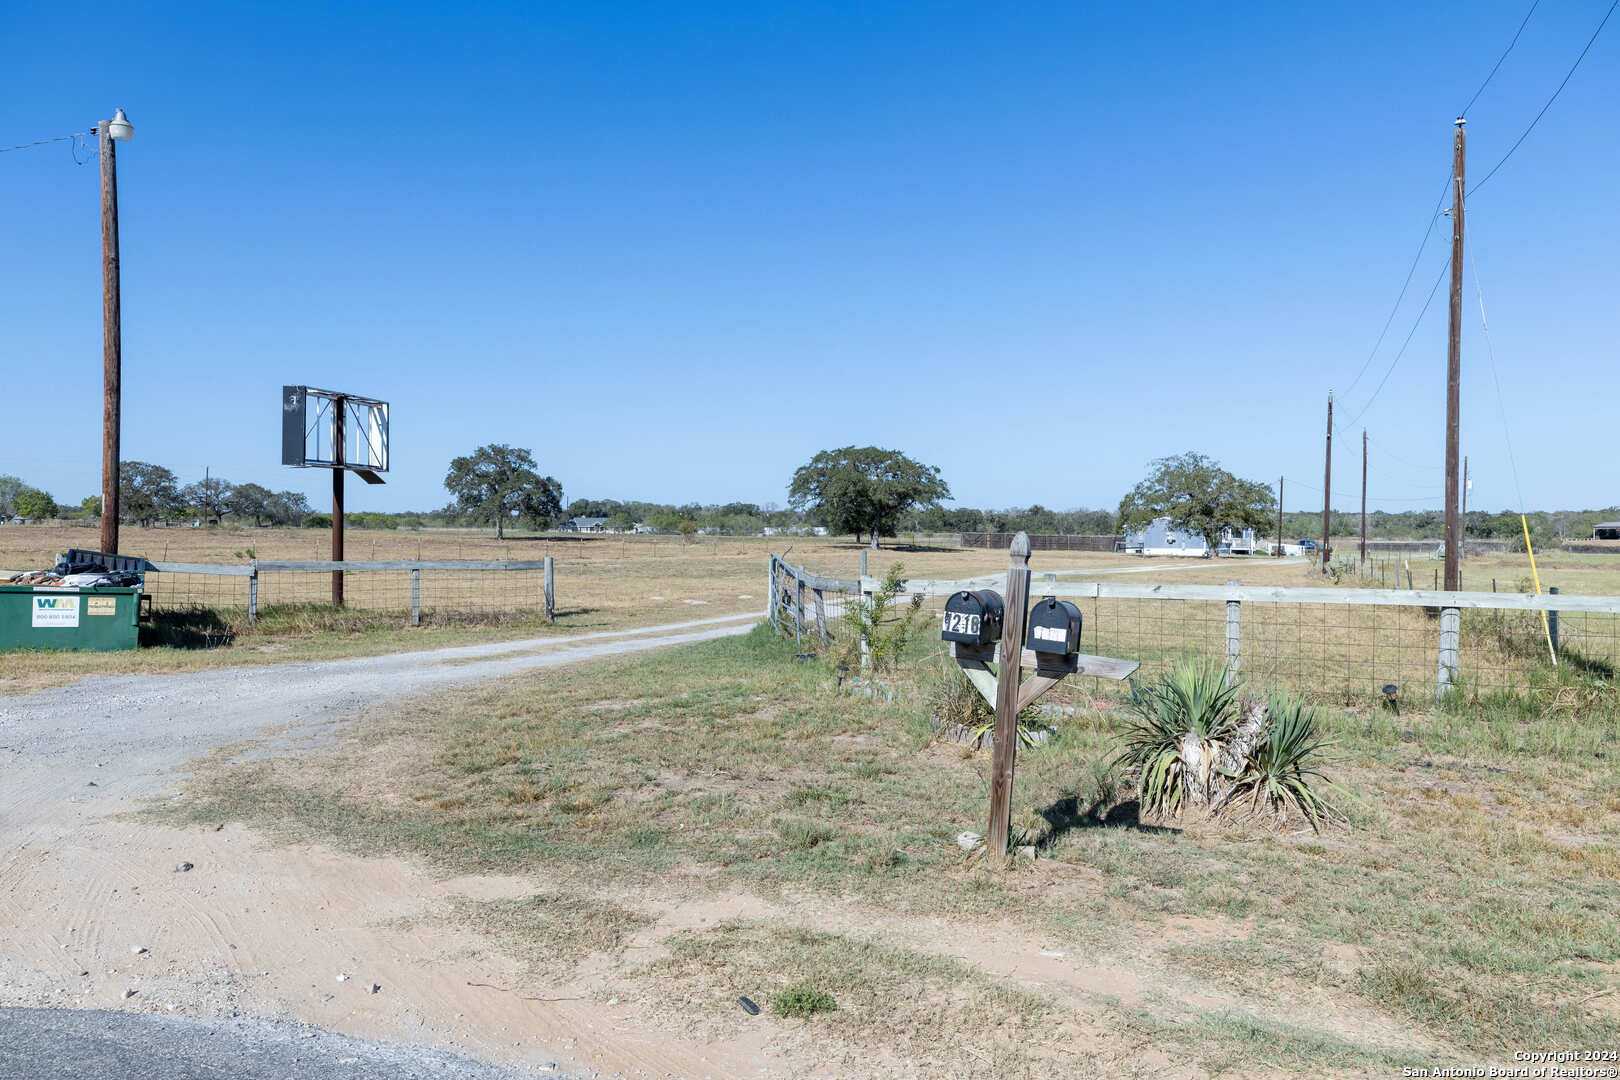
point(1327, 485)
point(1015, 612)
point(111, 342)
point(1463, 551)
point(1363, 496)
point(340, 406)
point(1454, 356)
point(1278, 553)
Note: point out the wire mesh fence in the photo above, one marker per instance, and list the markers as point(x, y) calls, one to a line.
point(415, 593)
point(1344, 644)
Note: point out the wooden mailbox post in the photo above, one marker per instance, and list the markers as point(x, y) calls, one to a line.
point(1008, 691)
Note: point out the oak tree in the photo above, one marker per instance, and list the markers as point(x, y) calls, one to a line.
point(858, 489)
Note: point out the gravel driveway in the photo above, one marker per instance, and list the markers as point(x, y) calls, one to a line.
point(135, 728)
point(94, 1044)
point(79, 886)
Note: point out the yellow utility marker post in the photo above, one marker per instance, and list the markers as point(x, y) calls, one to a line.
point(1536, 578)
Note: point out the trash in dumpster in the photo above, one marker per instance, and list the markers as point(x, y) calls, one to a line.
point(86, 601)
point(82, 570)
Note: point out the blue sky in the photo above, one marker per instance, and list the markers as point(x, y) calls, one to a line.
point(676, 250)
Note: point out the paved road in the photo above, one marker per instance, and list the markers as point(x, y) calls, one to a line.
point(87, 1044)
point(71, 756)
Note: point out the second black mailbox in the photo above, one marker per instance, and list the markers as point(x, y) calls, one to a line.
point(973, 618)
point(1054, 627)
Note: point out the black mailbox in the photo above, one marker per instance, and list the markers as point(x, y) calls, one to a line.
point(1054, 627)
point(973, 618)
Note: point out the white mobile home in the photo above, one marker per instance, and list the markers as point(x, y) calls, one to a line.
point(1160, 539)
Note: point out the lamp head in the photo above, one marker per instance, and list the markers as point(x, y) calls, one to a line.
point(119, 128)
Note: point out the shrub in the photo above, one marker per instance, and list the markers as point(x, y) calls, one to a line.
point(317, 521)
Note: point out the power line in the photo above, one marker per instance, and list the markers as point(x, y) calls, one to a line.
point(1415, 323)
point(1568, 75)
point(1438, 496)
point(1504, 56)
point(1507, 433)
point(44, 142)
point(1409, 464)
point(1434, 216)
point(1427, 232)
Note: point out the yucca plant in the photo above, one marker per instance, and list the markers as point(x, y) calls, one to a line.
point(1285, 765)
point(984, 733)
point(1179, 723)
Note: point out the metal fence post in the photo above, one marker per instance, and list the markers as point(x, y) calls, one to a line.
point(1450, 632)
point(866, 599)
point(253, 591)
point(866, 606)
point(770, 593)
point(551, 590)
point(1552, 622)
point(798, 605)
point(416, 596)
point(1234, 637)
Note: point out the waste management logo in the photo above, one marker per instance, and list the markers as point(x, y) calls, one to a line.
point(56, 610)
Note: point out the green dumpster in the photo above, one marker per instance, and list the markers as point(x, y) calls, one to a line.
point(62, 617)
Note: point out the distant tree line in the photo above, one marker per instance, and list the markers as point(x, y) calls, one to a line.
point(1547, 527)
point(859, 491)
point(151, 494)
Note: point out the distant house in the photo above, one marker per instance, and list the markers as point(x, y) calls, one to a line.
point(1234, 542)
point(1266, 547)
point(1606, 530)
point(641, 529)
point(1160, 539)
point(585, 525)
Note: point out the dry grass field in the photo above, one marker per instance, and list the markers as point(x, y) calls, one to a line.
point(618, 582)
point(718, 820)
point(603, 583)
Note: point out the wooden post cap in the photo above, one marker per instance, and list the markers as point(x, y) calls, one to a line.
point(1020, 547)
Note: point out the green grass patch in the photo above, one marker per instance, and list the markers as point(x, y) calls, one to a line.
point(802, 1000)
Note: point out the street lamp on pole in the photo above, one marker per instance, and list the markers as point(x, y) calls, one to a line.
point(118, 129)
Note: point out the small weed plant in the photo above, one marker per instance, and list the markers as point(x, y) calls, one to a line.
point(884, 630)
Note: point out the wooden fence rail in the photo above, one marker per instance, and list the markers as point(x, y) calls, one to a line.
point(1448, 605)
point(792, 587)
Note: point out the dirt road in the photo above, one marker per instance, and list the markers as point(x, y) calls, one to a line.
point(101, 912)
